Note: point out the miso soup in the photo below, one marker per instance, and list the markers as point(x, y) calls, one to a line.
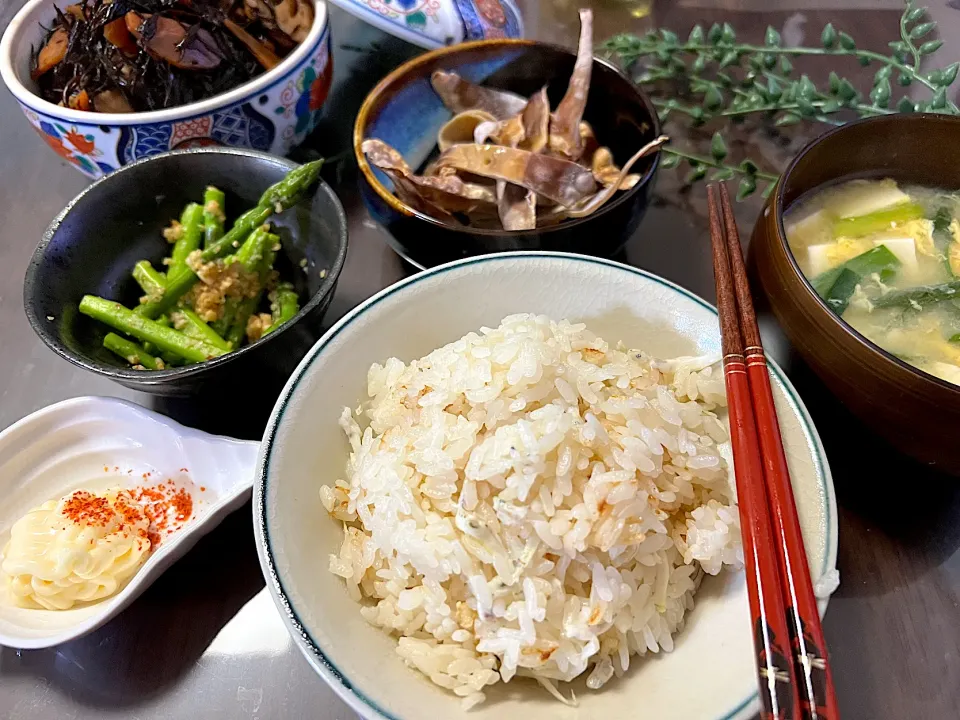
point(886, 258)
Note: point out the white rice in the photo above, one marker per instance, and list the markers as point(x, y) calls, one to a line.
point(531, 501)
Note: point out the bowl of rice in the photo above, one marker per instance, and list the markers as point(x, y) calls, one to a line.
point(503, 488)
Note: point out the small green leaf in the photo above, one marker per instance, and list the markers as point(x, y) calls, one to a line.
point(834, 83)
point(721, 175)
point(786, 67)
point(712, 99)
point(883, 73)
point(906, 105)
point(828, 37)
point(729, 58)
point(669, 161)
point(769, 61)
point(773, 90)
point(904, 79)
point(718, 148)
point(787, 119)
point(772, 37)
point(950, 74)
point(830, 106)
point(697, 173)
point(930, 47)
point(939, 99)
point(696, 35)
point(724, 79)
point(898, 46)
point(915, 14)
point(806, 88)
point(922, 29)
point(863, 60)
point(715, 33)
point(880, 95)
point(806, 108)
point(728, 35)
point(748, 186)
point(846, 42)
point(935, 77)
point(699, 64)
point(697, 116)
point(669, 37)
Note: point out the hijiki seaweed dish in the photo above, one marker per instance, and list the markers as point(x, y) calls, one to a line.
point(138, 55)
point(511, 162)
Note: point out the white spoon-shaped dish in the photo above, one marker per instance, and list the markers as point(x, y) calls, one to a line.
point(97, 443)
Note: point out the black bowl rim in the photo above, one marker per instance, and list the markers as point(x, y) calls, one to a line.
point(159, 377)
point(359, 132)
point(864, 342)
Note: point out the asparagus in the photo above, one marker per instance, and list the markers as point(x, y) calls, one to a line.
point(192, 325)
point(189, 240)
point(249, 256)
point(284, 305)
point(275, 199)
point(247, 306)
point(877, 221)
point(214, 205)
point(130, 323)
point(150, 280)
point(131, 352)
point(168, 358)
point(919, 296)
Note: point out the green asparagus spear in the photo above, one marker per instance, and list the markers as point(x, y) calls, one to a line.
point(284, 304)
point(918, 297)
point(192, 325)
point(214, 215)
point(877, 221)
point(130, 323)
point(131, 352)
point(248, 306)
point(189, 240)
point(151, 280)
point(281, 196)
point(277, 198)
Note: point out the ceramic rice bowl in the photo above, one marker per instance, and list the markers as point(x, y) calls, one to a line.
point(710, 675)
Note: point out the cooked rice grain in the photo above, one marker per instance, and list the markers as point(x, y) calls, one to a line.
point(529, 500)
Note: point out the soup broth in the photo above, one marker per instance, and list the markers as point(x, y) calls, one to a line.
point(886, 258)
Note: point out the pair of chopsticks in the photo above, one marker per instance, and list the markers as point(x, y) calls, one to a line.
point(793, 671)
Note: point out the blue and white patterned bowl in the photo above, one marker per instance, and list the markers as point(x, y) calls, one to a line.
point(434, 23)
point(274, 112)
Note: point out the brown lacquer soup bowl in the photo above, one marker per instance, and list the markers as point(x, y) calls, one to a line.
point(917, 413)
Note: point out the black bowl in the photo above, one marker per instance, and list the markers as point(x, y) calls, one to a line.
point(405, 112)
point(93, 244)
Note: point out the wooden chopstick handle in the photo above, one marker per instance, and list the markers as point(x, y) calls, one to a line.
point(814, 679)
point(812, 669)
point(779, 698)
point(771, 637)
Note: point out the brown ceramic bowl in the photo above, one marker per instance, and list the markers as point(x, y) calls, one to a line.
point(916, 412)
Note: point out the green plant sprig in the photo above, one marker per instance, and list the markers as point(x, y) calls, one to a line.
point(731, 81)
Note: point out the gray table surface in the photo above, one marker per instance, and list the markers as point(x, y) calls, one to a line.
point(205, 641)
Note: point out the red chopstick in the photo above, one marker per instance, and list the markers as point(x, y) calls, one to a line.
point(778, 697)
point(817, 695)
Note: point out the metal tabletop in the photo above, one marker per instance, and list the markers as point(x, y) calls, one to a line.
point(205, 641)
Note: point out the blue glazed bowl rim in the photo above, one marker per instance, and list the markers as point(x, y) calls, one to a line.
point(399, 76)
point(157, 377)
point(318, 34)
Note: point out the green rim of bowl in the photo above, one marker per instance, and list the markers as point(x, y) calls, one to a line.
point(307, 644)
